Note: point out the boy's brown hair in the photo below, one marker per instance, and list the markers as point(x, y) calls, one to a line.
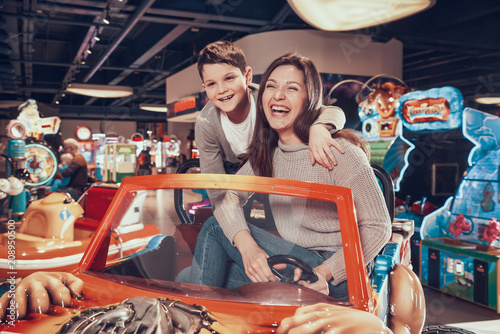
point(222, 52)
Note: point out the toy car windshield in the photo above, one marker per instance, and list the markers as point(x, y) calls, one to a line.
point(163, 213)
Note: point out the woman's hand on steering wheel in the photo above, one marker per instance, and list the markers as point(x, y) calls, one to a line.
point(321, 285)
point(303, 274)
point(256, 266)
point(324, 276)
point(254, 258)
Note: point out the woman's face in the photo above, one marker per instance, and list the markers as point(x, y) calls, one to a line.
point(283, 99)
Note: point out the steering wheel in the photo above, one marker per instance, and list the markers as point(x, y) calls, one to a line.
point(308, 273)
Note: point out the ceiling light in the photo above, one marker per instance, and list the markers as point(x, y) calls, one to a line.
point(488, 99)
point(97, 38)
point(105, 19)
point(104, 91)
point(153, 107)
point(187, 118)
point(345, 15)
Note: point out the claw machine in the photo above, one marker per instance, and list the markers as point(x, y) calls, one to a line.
point(119, 162)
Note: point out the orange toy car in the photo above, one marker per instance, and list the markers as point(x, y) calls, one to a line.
point(141, 288)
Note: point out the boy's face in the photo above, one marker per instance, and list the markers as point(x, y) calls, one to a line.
point(66, 160)
point(70, 149)
point(226, 86)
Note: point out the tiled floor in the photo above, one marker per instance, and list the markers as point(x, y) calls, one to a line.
point(448, 310)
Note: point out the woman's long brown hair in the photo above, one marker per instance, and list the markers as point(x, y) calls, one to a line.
point(265, 139)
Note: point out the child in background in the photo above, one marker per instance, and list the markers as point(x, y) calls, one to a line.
point(66, 159)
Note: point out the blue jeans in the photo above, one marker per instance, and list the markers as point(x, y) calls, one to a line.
point(56, 184)
point(213, 250)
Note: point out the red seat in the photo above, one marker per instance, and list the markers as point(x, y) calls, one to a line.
point(97, 202)
point(185, 238)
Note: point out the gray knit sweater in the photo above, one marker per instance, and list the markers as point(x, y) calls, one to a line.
point(314, 224)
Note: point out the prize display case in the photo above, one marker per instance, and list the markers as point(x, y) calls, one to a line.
point(119, 161)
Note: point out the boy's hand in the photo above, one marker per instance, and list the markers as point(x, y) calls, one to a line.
point(38, 291)
point(320, 141)
point(329, 319)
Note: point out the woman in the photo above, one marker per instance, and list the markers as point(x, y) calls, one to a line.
point(288, 103)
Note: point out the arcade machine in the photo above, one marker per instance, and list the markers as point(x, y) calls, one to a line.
point(86, 146)
point(157, 155)
point(172, 149)
point(119, 161)
point(138, 140)
point(429, 156)
point(100, 142)
point(32, 159)
point(378, 100)
point(460, 247)
point(155, 150)
point(193, 148)
point(12, 187)
point(435, 149)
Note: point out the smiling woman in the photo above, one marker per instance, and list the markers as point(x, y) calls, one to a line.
point(287, 106)
point(284, 98)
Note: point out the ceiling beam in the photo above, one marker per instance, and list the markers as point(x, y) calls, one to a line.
point(109, 68)
point(145, 5)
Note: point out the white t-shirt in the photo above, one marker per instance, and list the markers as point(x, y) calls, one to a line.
point(240, 135)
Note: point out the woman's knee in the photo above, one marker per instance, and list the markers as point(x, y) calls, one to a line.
point(211, 221)
point(211, 226)
point(183, 276)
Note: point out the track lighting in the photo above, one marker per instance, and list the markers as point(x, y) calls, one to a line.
point(153, 107)
point(89, 49)
point(488, 98)
point(106, 18)
point(102, 91)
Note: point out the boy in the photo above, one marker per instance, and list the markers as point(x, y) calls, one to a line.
point(225, 126)
point(66, 159)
